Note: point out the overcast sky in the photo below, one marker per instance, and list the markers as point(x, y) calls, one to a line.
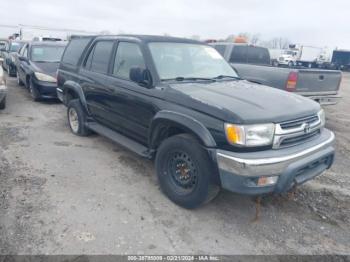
point(315, 22)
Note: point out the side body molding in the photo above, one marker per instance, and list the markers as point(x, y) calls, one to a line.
point(181, 120)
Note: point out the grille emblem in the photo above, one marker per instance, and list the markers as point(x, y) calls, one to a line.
point(306, 128)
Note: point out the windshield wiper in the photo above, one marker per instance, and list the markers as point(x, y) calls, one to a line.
point(226, 76)
point(181, 78)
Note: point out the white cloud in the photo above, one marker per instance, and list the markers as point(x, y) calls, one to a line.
point(317, 22)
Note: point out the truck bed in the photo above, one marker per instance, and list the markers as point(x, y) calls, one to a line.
point(310, 82)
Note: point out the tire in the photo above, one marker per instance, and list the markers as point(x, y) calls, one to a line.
point(77, 118)
point(19, 81)
point(33, 91)
point(3, 103)
point(290, 64)
point(184, 170)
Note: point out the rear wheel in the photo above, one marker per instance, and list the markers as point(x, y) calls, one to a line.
point(77, 118)
point(3, 103)
point(184, 170)
point(19, 81)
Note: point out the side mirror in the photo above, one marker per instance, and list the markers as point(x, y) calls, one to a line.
point(141, 76)
point(23, 59)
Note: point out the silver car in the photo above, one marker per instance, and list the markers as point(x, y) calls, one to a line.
point(3, 89)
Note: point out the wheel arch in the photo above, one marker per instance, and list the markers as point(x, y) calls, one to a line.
point(72, 90)
point(168, 123)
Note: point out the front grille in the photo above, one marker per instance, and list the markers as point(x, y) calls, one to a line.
point(281, 59)
point(292, 141)
point(298, 131)
point(298, 122)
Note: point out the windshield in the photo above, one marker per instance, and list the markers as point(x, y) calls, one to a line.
point(47, 53)
point(15, 46)
point(174, 60)
point(288, 52)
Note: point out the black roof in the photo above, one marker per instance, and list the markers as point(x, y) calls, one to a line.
point(48, 43)
point(152, 38)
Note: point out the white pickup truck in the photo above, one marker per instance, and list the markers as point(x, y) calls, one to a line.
point(253, 63)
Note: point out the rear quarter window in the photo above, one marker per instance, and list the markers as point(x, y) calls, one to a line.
point(258, 55)
point(74, 50)
point(239, 54)
point(221, 49)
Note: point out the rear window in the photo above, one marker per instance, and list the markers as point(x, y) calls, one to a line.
point(221, 49)
point(74, 50)
point(250, 55)
point(239, 54)
point(258, 55)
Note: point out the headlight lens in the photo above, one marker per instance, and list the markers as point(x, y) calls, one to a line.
point(322, 116)
point(44, 77)
point(250, 135)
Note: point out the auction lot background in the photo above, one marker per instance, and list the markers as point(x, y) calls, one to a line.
point(63, 194)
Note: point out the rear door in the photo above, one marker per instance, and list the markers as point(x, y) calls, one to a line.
point(94, 80)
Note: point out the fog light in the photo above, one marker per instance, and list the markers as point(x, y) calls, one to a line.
point(267, 181)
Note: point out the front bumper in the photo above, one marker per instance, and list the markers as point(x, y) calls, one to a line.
point(45, 89)
point(239, 172)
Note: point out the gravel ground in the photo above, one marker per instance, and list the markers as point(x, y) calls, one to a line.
point(63, 194)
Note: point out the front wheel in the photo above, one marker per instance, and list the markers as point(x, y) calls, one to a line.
point(184, 170)
point(77, 118)
point(33, 91)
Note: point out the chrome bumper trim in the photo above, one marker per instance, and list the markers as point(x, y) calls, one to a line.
point(265, 166)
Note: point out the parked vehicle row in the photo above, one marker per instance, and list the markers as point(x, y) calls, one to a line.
point(253, 63)
point(36, 67)
point(3, 89)
point(179, 102)
point(9, 56)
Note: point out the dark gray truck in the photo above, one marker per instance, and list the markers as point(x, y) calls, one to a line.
point(253, 63)
point(177, 101)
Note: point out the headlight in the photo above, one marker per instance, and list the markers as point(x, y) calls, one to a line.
point(44, 77)
point(250, 135)
point(322, 116)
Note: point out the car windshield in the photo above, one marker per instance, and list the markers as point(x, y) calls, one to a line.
point(47, 53)
point(195, 61)
point(15, 46)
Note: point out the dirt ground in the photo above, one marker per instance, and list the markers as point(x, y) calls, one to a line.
point(63, 194)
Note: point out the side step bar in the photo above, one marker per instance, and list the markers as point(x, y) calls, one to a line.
point(120, 139)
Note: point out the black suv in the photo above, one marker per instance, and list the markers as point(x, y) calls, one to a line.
point(179, 101)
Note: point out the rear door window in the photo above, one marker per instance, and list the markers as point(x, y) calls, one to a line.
point(239, 54)
point(101, 56)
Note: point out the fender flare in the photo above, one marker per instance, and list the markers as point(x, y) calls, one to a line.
point(70, 85)
point(187, 122)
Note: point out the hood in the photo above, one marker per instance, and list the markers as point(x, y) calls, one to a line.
point(45, 67)
point(242, 102)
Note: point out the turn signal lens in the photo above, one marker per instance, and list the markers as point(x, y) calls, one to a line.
point(235, 134)
point(267, 181)
point(292, 81)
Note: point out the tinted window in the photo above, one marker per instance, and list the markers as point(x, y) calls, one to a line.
point(74, 50)
point(258, 55)
point(15, 46)
point(101, 54)
point(25, 51)
point(128, 56)
point(46, 53)
point(221, 49)
point(239, 54)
